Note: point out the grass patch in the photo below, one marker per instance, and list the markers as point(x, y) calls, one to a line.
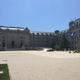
point(5, 75)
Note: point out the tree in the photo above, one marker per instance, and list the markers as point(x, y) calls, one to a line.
point(65, 43)
point(53, 42)
point(57, 47)
point(57, 31)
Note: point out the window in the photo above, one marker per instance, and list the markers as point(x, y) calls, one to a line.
point(42, 41)
point(77, 23)
point(38, 44)
point(21, 37)
point(47, 41)
point(47, 34)
point(71, 37)
point(3, 37)
point(33, 44)
point(37, 33)
point(50, 34)
point(38, 38)
point(66, 35)
point(38, 41)
point(42, 33)
point(21, 43)
point(32, 33)
point(79, 30)
point(47, 45)
point(33, 37)
point(3, 43)
point(33, 41)
point(72, 26)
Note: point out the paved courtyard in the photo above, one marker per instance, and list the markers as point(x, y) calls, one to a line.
point(42, 65)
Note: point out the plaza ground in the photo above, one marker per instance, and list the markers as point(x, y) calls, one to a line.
point(42, 65)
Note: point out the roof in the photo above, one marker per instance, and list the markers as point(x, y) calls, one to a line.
point(77, 19)
point(11, 28)
point(41, 33)
point(48, 33)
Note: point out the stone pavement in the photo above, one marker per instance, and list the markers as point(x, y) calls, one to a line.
point(35, 65)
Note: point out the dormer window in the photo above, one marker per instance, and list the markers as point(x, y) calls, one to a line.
point(42, 33)
point(50, 34)
point(64, 31)
point(77, 23)
point(37, 33)
point(33, 33)
point(47, 34)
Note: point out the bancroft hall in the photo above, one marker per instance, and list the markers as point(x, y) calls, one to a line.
point(17, 37)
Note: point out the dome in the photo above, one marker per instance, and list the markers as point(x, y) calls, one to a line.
point(71, 23)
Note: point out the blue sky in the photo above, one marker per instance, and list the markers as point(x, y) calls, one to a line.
point(39, 15)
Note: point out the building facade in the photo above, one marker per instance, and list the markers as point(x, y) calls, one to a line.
point(16, 37)
point(41, 39)
point(12, 37)
point(74, 26)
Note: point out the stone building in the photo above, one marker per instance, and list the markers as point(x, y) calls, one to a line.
point(41, 39)
point(16, 37)
point(74, 26)
point(74, 40)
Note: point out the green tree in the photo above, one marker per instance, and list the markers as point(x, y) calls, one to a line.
point(53, 42)
point(65, 43)
point(57, 47)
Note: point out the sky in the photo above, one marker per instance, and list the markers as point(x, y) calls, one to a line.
point(39, 15)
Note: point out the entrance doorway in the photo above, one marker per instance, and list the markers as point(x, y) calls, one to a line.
point(3, 43)
point(12, 43)
point(21, 43)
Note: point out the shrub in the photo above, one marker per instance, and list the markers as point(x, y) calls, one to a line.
point(50, 50)
point(77, 51)
point(39, 49)
point(30, 49)
point(34, 48)
point(69, 51)
point(73, 51)
point(2, 49)
point(57, 47)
